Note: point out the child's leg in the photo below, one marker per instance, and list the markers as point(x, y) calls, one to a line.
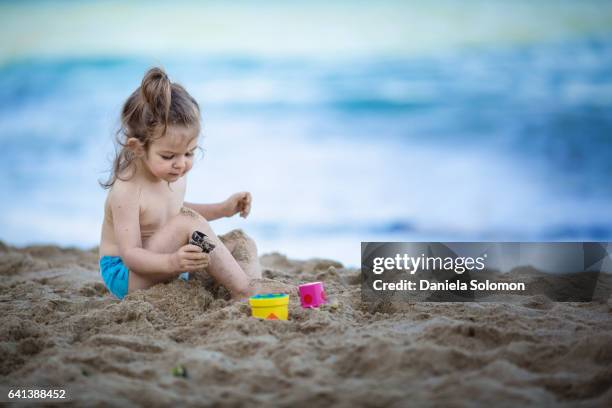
point(243, 249)
point(176, 233)
point(223, 267)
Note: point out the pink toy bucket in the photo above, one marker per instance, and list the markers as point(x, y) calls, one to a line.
point(312, 294)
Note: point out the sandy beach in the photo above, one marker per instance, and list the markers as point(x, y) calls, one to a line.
point(61, 328)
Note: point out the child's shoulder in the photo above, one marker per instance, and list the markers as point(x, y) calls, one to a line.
point(124, 190)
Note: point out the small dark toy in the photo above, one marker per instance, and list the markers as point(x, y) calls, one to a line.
point(201, 239)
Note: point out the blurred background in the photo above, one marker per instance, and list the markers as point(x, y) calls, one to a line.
point(348, 121)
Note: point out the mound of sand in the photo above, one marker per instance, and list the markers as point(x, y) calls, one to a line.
point(61, 328)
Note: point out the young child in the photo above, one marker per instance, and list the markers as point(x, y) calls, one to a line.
point(147, 225)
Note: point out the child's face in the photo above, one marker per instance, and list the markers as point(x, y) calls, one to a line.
point(171, 156)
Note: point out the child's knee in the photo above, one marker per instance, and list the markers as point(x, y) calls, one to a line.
point(190, 218)
point(189, 214)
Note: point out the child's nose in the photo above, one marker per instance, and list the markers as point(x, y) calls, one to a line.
point(179, 164)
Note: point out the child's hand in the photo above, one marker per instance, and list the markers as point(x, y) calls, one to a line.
point(189, 258)
point(238, 203)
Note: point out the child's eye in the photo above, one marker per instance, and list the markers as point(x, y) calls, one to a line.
point(166, 157)
point(189, 154)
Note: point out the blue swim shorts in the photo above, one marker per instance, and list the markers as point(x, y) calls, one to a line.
point(115, 275)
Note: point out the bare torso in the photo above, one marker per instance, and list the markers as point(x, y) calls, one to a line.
point(158, 202)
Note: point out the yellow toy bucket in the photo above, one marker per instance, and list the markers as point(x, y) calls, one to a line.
point(272, 306)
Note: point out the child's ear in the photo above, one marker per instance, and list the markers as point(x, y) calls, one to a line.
point(135, 146)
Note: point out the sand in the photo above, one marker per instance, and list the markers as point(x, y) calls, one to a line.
point(61, 328)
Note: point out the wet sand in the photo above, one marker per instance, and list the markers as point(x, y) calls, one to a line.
point(60, 327)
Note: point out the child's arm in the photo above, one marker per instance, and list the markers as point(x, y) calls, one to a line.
point(125, 206)
point(236, 203)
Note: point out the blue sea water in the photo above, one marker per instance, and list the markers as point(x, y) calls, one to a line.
point(509, 143)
